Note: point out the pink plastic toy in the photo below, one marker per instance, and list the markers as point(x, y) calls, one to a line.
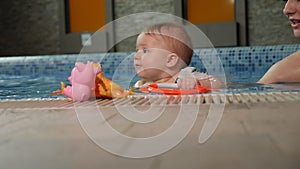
point(82, 80)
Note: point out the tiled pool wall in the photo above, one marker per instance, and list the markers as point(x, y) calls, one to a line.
point(236, 60)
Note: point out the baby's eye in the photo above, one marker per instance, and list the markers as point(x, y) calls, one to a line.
point(145, 50)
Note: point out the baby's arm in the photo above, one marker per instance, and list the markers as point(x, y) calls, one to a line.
point(212, 82)
point(188, 78)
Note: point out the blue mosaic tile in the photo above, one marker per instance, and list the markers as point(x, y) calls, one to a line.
point(254, 59)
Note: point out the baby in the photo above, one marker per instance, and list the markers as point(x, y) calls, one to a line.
point(164, 52)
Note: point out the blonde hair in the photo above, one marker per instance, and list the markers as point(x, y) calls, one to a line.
point(176, 37)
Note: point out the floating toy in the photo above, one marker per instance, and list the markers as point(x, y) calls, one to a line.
point(172, 89)
point(87, 81)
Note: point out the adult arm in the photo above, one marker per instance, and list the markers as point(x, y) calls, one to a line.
point(285, 70)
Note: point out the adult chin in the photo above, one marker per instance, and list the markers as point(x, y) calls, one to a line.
point(297, 33)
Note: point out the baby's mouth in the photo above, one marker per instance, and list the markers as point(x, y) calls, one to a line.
point(138, 66)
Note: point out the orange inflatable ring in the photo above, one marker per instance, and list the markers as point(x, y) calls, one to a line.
point(153, 88)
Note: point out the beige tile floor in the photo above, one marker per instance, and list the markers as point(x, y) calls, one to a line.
point(47, 134)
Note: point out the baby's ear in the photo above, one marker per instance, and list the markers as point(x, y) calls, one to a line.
point(172, 59)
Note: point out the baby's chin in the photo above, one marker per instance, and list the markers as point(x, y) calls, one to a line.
point(140, 73)
point(143, 75)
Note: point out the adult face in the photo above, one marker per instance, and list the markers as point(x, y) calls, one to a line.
point(292, 11)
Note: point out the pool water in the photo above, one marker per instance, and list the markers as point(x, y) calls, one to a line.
point(35, 77)
point(29, 86)
point(14, 87)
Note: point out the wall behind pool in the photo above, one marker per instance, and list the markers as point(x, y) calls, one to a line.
point(241, 64)
point(37, 32)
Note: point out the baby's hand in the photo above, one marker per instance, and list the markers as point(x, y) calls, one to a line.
point(191, 82)
point(187, 83)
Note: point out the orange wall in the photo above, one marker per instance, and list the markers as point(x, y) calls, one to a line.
point(89, 15)
point(86, 15)
point(208, 11)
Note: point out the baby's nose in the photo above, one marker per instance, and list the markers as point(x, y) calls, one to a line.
point(137, 55)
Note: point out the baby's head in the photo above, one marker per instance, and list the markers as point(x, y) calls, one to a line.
point(175, 39)
point(162, 51)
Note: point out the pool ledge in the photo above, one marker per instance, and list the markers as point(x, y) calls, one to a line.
point(47, 134)
point(144, 100)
